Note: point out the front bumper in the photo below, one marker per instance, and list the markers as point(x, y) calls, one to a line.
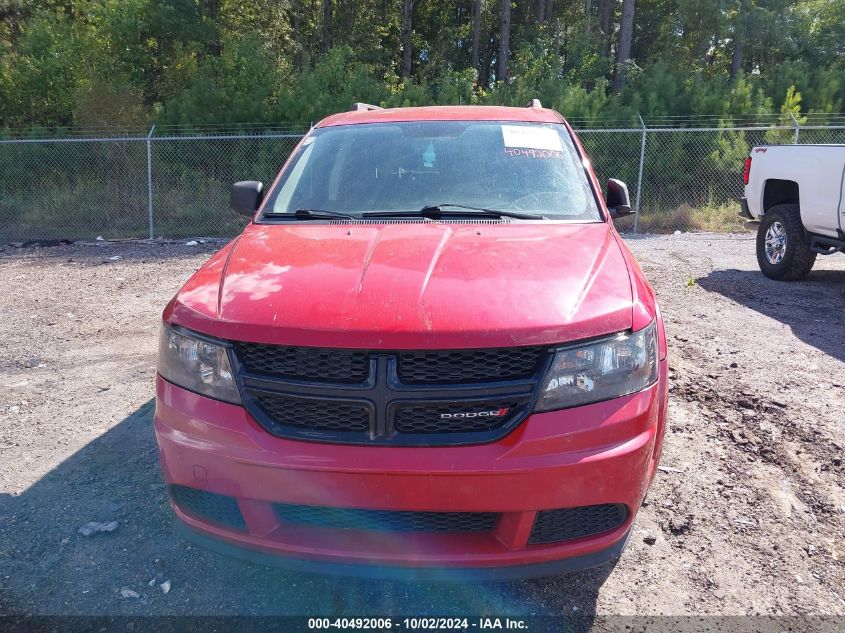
point(605, 453)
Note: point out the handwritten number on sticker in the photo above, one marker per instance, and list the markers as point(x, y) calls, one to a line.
point(533, 153)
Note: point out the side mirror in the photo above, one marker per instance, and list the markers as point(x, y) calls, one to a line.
point(618, 199)
point(246, 196)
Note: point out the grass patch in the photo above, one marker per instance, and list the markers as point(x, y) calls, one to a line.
point(723, 218)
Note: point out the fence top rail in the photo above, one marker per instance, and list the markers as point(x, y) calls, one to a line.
point(152, 138)
point(708, 120)
point(118, 131)
point(102, 139)
point(232, 137)
point(647, 128)
point(612, 130)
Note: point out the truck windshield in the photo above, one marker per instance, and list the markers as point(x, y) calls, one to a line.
point(404, 167)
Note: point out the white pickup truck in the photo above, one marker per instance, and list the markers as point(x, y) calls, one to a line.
point(797, 194)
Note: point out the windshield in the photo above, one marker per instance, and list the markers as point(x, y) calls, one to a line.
point(403, 167)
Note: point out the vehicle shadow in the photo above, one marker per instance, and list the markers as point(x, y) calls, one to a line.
point(48, 568)
point(812, 308)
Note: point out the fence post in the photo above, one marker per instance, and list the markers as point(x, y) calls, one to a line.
point(640, 175)
point(797, 128)
point(150, 181)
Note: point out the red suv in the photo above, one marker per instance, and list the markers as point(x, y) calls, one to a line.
point(429, 352)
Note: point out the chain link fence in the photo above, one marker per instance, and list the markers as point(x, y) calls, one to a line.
point(177, 186)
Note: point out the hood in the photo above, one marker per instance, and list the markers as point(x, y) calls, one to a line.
point(411, 285)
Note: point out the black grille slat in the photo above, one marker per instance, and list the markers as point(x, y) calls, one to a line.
point(426, 418)
point(386, 520)
point(468, 366)
point(208, 505)
point(571, 523)
point(305, 363)
point(322, 415)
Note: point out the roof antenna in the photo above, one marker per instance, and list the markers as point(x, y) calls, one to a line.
point(359, 107)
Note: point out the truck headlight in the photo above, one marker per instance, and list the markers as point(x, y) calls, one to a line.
point(196, 364)
point(604, 369)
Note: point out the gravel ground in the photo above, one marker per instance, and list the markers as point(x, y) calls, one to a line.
point(746, 516)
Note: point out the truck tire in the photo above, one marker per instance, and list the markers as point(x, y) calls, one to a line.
point(783, 248)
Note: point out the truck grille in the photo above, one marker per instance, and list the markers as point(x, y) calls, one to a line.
point(386, 520)
point(426, 398)
point(571, 523)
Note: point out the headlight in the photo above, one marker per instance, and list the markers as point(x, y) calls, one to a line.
point(196, 364)
point(601, 370)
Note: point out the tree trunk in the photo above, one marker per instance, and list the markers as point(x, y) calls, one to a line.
point(15, 26)
point(558, 30)
point(504, 41)
point(344, 23)
point(739, 40)
point(550, 10)
point(297, 36)
point(626, 31)
point(407, 26)
point(488, 56)
point(326, 42)
point(588, 14)
point(605, 11)
point(476, 32)
point(540, 11)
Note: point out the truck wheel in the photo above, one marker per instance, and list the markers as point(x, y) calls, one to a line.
point(783, 249)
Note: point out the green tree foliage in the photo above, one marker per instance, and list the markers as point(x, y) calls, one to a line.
point(135, 62)
point(42, 73)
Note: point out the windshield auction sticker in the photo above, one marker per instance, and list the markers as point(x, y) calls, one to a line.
point(531, 137)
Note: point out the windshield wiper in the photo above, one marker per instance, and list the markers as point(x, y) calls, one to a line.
point(313, 214)
point(435, 211)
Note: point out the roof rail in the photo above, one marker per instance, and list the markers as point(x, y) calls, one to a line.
point(359, 107)
point(534, 103)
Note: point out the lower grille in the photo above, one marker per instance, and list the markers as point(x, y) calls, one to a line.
point(208, 505)
point(386, 520)
point(325, 415)
point(571, 523)
point(454, 418)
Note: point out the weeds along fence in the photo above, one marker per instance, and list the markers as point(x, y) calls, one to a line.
point(158, 183)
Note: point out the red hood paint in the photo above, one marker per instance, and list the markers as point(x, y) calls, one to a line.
point(405, 286)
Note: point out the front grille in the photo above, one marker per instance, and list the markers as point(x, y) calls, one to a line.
point(305, 363)
point(476, 416)
point(571, 523)
point(467, 366)
point(386, 520)
point(208, 505)
point(317, 415)
point(423, 398)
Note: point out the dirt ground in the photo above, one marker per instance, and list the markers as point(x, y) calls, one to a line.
point(747, 515)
